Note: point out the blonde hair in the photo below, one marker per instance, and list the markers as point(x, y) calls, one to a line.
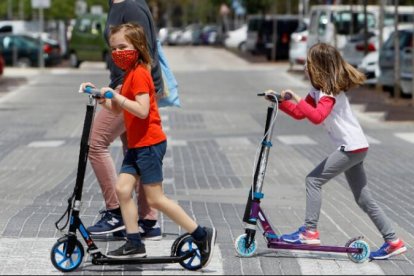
point(329, 72)
point(135, 35)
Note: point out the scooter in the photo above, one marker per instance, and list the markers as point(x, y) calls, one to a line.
point(357, 250)
point(67, 253)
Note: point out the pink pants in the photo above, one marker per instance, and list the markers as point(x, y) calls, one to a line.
point(107, 126)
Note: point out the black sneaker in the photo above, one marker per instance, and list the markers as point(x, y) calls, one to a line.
point(207, 246)
point(128, 250)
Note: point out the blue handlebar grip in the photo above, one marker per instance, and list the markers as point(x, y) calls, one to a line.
point(108, 95)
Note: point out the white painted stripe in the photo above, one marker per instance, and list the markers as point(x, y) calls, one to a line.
point(296, 140)
point(407, 136)
point(177, 143)
point(233, 141)
point(372, 140)
point(46, 144)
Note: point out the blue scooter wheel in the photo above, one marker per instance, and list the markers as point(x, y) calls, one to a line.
point(359, 257)
point(184, 245)
point(66, 263)
point(242, 250)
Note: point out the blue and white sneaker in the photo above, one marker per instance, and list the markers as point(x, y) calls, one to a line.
point(109, 223)
point(302, 236)
point(388, 250)
point(150, 233)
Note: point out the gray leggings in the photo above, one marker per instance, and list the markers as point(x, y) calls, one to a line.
point(352, 165)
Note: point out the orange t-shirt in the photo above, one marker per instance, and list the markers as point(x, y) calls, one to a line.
point(142, 132)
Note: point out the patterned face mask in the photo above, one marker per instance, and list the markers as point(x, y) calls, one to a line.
point(125, 59)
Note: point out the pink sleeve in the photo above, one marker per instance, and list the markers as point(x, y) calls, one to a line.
point(292, 109)
point(317, 113)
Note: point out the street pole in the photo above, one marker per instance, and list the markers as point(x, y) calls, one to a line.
point(9, 10)
point(397, 77)
point(41, 58)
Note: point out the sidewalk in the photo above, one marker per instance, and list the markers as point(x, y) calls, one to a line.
point(379, 101)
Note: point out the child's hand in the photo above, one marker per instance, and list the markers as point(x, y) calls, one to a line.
point(84, 85)
point(287, 94)
point(108, 89)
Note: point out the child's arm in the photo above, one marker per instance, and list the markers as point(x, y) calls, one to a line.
point(316, 113)
point(138, 107)
point(292, 109)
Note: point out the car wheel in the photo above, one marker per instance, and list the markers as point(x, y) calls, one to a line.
point(242, 47)
point(74, 60)
point(23, 63)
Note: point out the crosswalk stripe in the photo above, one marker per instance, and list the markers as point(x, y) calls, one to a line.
point(46, 144)
point(407, 136)
point(296, 140)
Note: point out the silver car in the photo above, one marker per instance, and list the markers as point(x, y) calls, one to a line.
point(386, 62)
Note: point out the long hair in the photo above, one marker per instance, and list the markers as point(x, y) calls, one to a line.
point(135, 35)
point(329, 72)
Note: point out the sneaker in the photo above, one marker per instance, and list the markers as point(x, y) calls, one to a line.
point(128, 250)
point(207, 246)
point(302, 236)
point(149, 233)
point(109, 223)
point(388, 249)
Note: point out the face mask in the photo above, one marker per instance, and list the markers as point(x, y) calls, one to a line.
point(125, 59)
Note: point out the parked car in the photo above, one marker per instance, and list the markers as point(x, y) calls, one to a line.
point(174, 36)
point(209, 35)
point(354, 50)
point(387, 58)
point(191, 35)
point(87, 42)
point(270, 35)
point(237, 38)
point(23, 50)
point(298, 44)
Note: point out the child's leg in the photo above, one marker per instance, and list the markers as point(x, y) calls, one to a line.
point(125, 186)
point(357, 180)
point(332, 166)
point(157, 199)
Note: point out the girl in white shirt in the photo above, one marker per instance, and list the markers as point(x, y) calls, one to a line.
point(328, 105)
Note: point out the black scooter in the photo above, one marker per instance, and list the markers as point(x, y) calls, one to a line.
point(67, 253)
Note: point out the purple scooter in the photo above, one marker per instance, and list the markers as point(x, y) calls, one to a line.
point(357, 249)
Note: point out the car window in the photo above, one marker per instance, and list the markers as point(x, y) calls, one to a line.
point(96, 27)
point(6, 42)
point(347, 22)
point(405, 40)
point(323, 21)
point(402, 18)
point(85, 25)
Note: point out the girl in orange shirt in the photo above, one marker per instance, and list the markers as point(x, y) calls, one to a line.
point(146, 144)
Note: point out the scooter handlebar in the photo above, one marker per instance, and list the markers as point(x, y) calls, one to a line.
point(97, 93)
point(275, 96)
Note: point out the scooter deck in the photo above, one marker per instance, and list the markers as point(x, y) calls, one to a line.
point(145, 260)
point(308, 247)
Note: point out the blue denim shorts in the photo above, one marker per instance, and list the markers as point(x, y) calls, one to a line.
point(145, 162)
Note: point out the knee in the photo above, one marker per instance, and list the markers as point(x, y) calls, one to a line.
point(155, 203)
point(312, 182)
point(123, 193)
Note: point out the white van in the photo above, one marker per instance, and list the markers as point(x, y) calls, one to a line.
point(334, 24)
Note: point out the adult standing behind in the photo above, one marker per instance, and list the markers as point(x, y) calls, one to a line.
point(108, 126)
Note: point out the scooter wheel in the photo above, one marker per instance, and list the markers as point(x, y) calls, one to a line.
point(240, 245)
point(359, 257)
point(62, 262)
point(184, 246)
